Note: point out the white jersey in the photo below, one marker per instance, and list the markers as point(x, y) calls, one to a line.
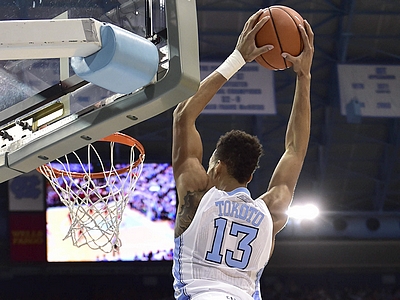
point(225, 248)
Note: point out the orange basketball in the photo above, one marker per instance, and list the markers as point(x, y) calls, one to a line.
point(282, 32)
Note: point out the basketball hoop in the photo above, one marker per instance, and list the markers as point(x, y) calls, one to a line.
point(96, 200)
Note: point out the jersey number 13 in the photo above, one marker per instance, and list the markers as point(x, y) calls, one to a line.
point(243, 248)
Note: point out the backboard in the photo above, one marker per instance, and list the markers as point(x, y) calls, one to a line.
point(46, 110)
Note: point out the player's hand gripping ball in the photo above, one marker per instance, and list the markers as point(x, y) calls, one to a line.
point(283, 33)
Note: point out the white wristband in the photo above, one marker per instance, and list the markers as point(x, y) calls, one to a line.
point(231, 65)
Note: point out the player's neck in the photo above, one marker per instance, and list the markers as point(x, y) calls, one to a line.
point(228, 184)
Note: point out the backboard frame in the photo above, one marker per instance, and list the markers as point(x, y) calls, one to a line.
point(74, 132)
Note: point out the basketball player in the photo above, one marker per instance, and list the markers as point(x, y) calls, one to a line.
point(224, 238)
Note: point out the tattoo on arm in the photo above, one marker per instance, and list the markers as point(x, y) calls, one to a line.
point(186, 212)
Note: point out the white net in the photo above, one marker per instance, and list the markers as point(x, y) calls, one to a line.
point(95, 205)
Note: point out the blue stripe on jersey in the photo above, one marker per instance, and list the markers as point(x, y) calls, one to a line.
point(257, 293)
point(239, 189)
point(179, 285)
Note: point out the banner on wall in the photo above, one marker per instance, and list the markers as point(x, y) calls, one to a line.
point(27, 236)
point(369, 90)
point(249, 91)
point(26, 192)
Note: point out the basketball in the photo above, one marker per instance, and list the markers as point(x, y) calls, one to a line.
point(282, 32)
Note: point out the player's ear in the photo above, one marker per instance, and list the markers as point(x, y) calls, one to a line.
point(218, 167)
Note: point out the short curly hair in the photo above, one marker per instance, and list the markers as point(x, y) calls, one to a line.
point(240, 152)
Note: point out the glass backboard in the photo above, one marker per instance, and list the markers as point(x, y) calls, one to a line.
point(46, 110)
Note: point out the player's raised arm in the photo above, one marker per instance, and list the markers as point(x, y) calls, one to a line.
point(186, 141)
point(284, 179)
point(187, 149)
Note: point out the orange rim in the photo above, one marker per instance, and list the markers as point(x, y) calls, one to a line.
point(117, 137)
